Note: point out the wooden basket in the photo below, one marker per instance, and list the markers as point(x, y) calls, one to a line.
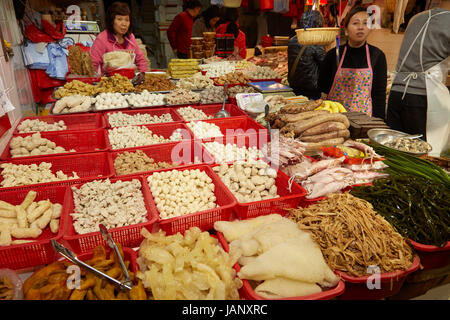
point(316, 36)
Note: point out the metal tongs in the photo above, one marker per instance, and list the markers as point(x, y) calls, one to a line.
point(69, 255)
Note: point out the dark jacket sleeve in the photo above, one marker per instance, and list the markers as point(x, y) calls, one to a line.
point(173, 30)
point(319, 54)
point(327, 71)
point(379, 86)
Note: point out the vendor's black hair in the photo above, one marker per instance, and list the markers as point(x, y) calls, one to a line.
point(118, 9)
point(311, 19)
point(211, 12)
point(232, 16)
point(192, 4)
point(352, 12)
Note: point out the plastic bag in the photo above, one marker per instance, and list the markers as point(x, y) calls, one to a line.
point(116, 60)
point(281, 6)
point(16, 283)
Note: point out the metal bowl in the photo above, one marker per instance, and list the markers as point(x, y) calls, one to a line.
point(374, 136)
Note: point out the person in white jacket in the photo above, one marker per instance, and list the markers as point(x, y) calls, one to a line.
point(419, 101)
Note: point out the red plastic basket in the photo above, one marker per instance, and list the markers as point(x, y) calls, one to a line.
point(212, 109)
point(81, 141)
point(88, 167)
point(129, 236)
point(204, 219)
point(432, 257)
point(161, 129)
point(76, 122)
point(356, 288)
point(40, 251)
point(153, 112)
point(237, 126)
point(247, 292)
point(184, 154)
point(278, 205)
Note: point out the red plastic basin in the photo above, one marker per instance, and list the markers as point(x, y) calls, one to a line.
point(356, 288)
point(432, 257)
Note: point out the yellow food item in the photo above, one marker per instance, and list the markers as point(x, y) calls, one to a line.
point(331, 106)
point(192, 267)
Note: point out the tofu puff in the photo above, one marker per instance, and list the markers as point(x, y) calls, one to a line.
point(50, 282)
point(28, 219)
point(278, 258)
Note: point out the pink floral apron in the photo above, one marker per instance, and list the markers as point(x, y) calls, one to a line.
point(352, 87)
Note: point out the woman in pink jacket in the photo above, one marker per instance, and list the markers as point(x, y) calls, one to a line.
point(117, 36)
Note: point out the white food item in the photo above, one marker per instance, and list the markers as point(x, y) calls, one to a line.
point(189, 114)
point(119, 119)
point(178, 193)
point(233, 91)
point(239, 228)
point(195, 82)
point(231, 152)
point(212, 95)
point(109, 100)
point(20, 175)
point(145, 99)
point(217, 69)
point(133, 136)
point(286, 258)
point(73, 103)
point(34, 145)
point(36, 125)
point(113, 204)
point(203, 130)
point(249, 181)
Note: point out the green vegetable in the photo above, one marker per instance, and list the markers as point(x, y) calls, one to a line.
point(416, 207)
point(401, 163)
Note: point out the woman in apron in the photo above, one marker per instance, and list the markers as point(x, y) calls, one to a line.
point(358, 79)
point(419, 101)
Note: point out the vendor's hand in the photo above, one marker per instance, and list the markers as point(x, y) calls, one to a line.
point(139, 78)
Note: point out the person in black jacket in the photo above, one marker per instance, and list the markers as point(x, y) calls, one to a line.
point(358, 81)
point(304, 74)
